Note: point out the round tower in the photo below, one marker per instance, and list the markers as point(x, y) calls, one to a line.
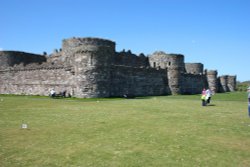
point(194, 68)
point(212, 80)
point(174, 65)
point(175, 69)
point(92, 59)
point(223, 83)
point(231, 83)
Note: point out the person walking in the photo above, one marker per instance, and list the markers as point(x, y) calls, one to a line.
point(203, 97)
point(208, 95)
point(248, 91)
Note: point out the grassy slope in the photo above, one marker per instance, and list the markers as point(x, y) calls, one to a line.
point(157, 131)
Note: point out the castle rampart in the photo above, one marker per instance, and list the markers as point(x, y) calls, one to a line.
point(126, 58)
point(231, 82)
point(194, 68)
point(227, 83)
point(36, 81)
point(212, 80)
point(91, 67)
point(138, 81)
point(11, 58)
point(223, 83)
point(192, 83)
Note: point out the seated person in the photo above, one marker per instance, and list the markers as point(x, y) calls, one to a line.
point(52, 93)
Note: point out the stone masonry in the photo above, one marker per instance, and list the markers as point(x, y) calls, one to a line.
point(91, 67)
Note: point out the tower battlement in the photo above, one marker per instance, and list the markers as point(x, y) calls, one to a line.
point(88, 44)
point(194, 68)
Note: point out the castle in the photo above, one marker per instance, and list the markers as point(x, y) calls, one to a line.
point(91, 67)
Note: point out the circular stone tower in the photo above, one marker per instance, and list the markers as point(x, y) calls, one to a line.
point(175, 69)
point(212, 80)
point(194, 68)
point(91, 59)
point(223, 83)
point(231, 83)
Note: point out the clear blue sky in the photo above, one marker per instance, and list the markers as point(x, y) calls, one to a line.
point(213, 32)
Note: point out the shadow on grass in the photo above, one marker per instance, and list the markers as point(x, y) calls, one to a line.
point(210, 105)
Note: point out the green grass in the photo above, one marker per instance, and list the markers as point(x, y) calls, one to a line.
point(144, 132)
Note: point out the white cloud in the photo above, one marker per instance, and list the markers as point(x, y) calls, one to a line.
point(1, 49)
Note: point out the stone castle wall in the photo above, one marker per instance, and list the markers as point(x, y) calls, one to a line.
point(138, 81)
point(192, 83)
point(174, 65)
point(92, 59)
point(226, 83)
point(231, 80)
point(11, 58)
point(36, 81)
point(129, 59)
point(211, 79)
point(91, 67)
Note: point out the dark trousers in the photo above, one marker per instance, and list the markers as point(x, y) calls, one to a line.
point(208, 100)
point(249, 107)
point(249, 110)
point(203, 102)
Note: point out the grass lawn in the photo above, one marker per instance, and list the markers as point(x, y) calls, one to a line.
point(144, 132)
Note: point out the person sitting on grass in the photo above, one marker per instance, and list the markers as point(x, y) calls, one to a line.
point(52, 93)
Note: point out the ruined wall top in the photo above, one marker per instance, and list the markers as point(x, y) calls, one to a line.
point(212, 72)
point(127, 58)
point(163, 54)
point(194, 68)
point(164, 60)
point(225, 78)
point(12, 58)
point(233, 77)
point(82, 45)
point(86, 43)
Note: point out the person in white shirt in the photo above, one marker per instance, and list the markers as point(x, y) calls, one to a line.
point(208, 95)
point(52, 93)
